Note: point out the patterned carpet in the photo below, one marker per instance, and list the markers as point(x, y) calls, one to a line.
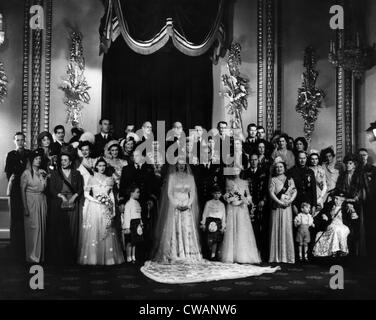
point(300, 281)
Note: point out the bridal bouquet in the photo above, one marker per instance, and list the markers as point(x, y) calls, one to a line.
point(233, 197)
point(107, 202)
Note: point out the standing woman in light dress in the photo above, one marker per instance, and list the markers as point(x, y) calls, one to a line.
point(33, 186)
point(86, 166)
point(99, 243)
point(177, 234)
point(282, 192)
point(113, 156)
point(320, 176)
point(239, 242)
point(286, 155)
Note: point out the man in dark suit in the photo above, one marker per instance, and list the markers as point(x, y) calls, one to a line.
point(368, 174)
point(59, 132)
point(14, 167)
point(103, 137)
point(258, 187)
point(147, 137)
point(141, 174)
point(250, 142)
point(224, 144)
point(176, 136)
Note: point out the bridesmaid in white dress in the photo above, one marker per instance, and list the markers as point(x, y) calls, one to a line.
point(320, 175)
point(113, 156)
point(239, 243)
point(99, 243)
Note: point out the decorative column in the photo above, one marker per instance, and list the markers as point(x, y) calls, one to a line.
point(260, 62)
point(340, 75)
point(36, 83)
point(270, 51)
point(348, 112)
point(279, 66)
point(36, 72)
point(47, 70)
point(25, 70)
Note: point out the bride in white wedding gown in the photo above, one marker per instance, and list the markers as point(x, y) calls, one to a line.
point(176, 257)
point(177, 235)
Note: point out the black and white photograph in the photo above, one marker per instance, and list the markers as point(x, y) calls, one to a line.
point(166, 151)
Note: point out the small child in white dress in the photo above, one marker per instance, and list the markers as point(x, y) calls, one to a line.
point(303, 221)
point(131, 222)
point(214, 222)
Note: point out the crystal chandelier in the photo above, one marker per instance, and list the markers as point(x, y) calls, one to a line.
point(352, 55)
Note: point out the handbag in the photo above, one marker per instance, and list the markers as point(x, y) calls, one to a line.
point(66, 205)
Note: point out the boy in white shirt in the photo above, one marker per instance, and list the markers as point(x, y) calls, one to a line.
point(214, 221)
point(303, 221)
point(132, 224)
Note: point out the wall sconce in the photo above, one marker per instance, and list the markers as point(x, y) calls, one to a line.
point(2, 33)
point(371, 132)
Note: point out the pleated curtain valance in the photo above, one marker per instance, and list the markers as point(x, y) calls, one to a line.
point(193, 26)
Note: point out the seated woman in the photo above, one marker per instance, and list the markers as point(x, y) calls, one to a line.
point(332, 240)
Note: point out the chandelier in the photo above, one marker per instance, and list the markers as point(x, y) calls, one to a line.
point(352, 55)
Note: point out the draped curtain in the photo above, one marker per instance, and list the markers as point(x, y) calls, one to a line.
point(157, 61)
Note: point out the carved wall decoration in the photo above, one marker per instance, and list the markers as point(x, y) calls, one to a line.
point(279, 67)
point(270, 58)
point(47, 71)
point(348, 112)
point(36, 72)
point(340, 75)
point(260, 62)
point(25, 70)
point(36, 83)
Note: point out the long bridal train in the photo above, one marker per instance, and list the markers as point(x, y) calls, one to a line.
point(202, 271)
point(176, 257)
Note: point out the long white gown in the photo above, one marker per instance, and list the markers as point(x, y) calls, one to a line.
point(177, 257)
point(239, 242)
point(99, 244)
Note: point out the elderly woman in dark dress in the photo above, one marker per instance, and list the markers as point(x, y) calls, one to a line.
point(66, 189)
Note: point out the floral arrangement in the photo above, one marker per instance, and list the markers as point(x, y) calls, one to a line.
point(74, 83)
point(309, 97)
point(236, 87)
point(233, 197)
point(3, 83)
